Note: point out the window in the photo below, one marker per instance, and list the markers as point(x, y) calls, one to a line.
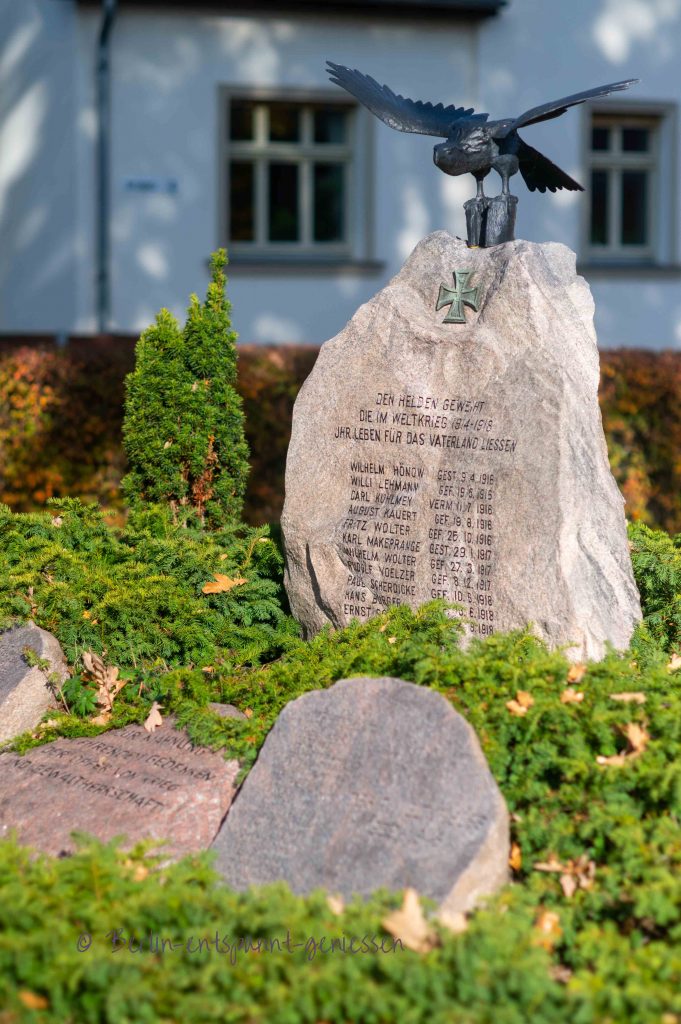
point(289, 174)
point(630, 209)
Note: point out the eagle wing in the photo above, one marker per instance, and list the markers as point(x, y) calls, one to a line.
point(397, 112)
point(555, 108)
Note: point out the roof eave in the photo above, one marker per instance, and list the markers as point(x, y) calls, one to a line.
point(477, 9)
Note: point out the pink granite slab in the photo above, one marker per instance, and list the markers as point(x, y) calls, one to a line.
point(126, 781)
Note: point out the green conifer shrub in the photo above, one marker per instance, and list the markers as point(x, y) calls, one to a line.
point(183, 430)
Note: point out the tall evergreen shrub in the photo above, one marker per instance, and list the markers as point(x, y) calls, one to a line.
point(184, 426)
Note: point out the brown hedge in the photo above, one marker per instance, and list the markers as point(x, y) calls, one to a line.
point(61, 411)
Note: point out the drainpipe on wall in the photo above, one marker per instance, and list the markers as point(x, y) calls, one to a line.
point(103, 170)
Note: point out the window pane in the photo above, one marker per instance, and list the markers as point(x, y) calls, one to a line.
point(329, 125)
point(284, 122)
point(599, 207)
point(241, 116)
point(329, 202)
point(241, 201)
point(635, 140)
point(283, 195)
point(634, 202)
point(600, 138)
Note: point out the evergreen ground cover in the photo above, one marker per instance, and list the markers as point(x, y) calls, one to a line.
point(593, 785)
point(188, 604)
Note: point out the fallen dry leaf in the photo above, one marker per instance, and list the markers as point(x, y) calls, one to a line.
point(102, 719)
point(139, 871)
point(552, 864)
point(577, 672)
point(576, 874)
point(547, 929)
point(453, 920)
point(568, 884)
point(392, 639)
point(154, 718)
point(335, 904)
point(629, 698)
point(614, 760)
point(637, 737)
point(561, 973)
point(222, 584)
point(519, 706)
point(674, 663)
point(32, 1000)
point(515, 857)
point(106, 677)
point(571, 696)
point(409, 925)
point(248, 712)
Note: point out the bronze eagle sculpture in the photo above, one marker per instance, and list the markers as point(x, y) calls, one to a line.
point(473, 143)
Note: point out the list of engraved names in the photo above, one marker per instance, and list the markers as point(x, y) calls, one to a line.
point(421, 507)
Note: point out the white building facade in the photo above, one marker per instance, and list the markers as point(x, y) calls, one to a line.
point(223, 129)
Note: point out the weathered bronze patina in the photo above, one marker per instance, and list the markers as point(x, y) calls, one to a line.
point(458, 297)
point(474, 145)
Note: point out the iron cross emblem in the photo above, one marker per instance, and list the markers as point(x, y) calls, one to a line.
point(459, 297)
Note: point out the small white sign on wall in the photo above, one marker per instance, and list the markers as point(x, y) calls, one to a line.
point(149, 183)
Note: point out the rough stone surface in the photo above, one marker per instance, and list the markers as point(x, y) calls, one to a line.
point(25, 694)
point(124, 782)
point(226, 710)
point(462, 460)
point(372, 783)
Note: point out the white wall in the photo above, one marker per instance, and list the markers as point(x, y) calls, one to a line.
point(537, 51)
point(38, 224)
point(167, 69)
point(166, 72)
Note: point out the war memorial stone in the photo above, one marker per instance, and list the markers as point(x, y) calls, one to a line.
point(123, 782)
point(25, 694)
point(372, 783)
point(448, 444)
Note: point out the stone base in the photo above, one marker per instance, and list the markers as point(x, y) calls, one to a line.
point(490, 220)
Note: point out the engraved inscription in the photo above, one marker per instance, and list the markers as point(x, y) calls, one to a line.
point(421, 509)
point(108, 769)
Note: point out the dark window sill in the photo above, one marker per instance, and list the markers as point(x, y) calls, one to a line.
point(633, 269)
point(301, 266)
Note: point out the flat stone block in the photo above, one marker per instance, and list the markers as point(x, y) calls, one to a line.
point(126, 781)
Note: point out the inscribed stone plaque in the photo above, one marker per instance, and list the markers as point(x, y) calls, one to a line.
point(372, 783)
point(463, 461)
point(24, 691)
point(126, 781)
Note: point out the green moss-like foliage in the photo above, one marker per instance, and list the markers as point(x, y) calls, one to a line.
point(136, 594)
point(612, 952)
point(656, 558)
point(183, 430)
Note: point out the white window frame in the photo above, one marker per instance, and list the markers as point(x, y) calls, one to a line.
point(355, 153)
point(659, 162)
